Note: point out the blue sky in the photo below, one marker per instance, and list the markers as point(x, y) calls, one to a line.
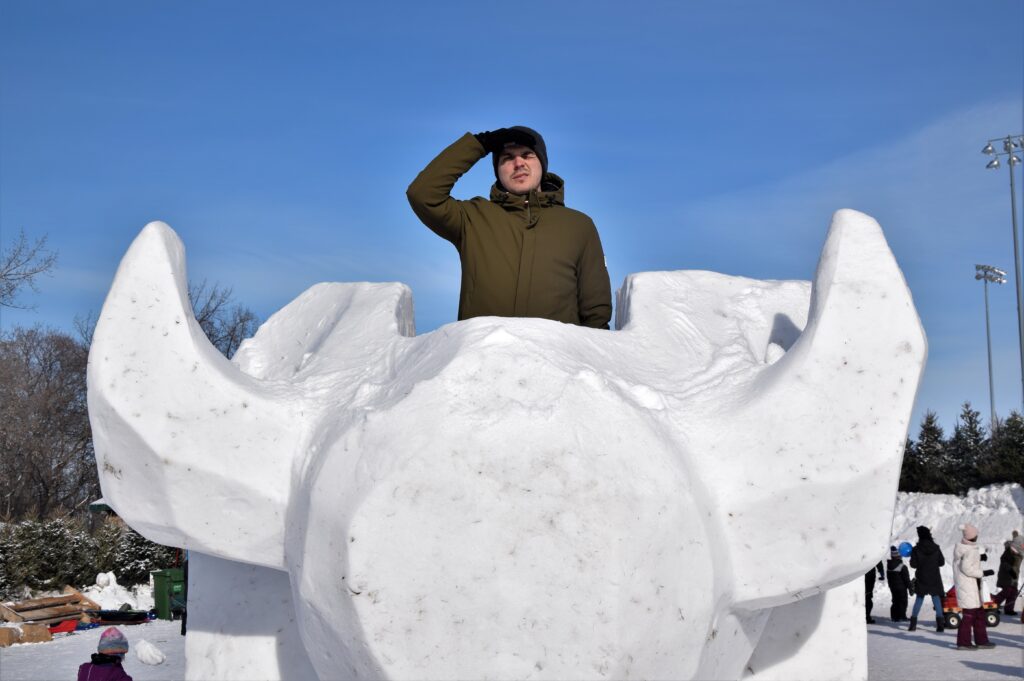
point(278, 139)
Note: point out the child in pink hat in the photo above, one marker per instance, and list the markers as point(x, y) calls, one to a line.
point(106, 661)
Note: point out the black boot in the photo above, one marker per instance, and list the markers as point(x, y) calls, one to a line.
point(913, 624)
point(940, 626)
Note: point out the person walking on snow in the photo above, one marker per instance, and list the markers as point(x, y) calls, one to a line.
point(967, 574)
point(899, 585)
point(523, 253)
point(106, 661)
point(869, 590)
point(1009, 571)
point(926, 558)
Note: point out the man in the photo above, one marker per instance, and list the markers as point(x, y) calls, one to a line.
point(523, 253)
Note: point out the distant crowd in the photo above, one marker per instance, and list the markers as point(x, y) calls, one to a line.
point(967, 606)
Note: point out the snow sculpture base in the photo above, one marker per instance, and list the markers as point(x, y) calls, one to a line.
point(519, 498)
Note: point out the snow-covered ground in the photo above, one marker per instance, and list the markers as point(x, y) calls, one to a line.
point(60, 658)
point(893, 653)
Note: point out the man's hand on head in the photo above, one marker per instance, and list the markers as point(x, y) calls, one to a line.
point(493, 141)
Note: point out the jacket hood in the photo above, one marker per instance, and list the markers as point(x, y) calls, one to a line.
point(550, 193)
point(927, 546)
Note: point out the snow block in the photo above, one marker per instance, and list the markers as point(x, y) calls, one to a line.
point(520, 498)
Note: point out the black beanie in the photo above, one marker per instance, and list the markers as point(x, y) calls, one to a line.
point(923, 533)
point(538, 147)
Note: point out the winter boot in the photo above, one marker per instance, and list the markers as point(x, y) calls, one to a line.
point(940, 625)
point(913, 624)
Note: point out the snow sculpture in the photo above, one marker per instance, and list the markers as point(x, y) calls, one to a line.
point(518, 498)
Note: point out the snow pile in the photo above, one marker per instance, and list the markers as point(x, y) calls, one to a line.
point(147, 653)
point(111, 596)
point(995, 510)
point(517, 497)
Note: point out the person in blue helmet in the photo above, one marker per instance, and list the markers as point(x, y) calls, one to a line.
point(898, 576)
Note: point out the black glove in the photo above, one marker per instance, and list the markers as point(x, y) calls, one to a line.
point(984, 556)
point(491, 140)
point(494, 140)
point(988, 573)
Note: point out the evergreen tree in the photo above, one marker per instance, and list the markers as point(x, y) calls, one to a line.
point(911, 472)
point(47, 554)
point(965, 452)
point(1004, 459)
point(931, 455)
point(129, 555)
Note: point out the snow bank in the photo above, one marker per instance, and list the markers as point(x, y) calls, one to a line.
point(995, 510)
point(111, 596)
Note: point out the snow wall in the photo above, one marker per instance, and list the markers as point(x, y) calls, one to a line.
point(519, 498)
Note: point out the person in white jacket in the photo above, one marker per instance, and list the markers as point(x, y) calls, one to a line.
point(967, 575)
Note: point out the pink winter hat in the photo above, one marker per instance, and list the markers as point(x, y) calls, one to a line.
point(970, 532)
point(112, 642)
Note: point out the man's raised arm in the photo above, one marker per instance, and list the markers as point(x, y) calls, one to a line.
point(430, 193)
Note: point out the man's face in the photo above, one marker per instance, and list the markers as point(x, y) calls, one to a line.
point(519, 169)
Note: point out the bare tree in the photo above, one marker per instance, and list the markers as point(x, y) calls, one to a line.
point(47, 461)
point(20, 264)
point(47, 464)
point(225, 323)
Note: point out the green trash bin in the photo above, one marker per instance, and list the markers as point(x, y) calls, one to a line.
point(169, 592)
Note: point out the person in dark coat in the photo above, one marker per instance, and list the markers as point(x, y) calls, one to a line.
point(523, 252)
point(869, 590)
point(1009, 571)
point(899, 585)
point(926, 558)
point(106, 661)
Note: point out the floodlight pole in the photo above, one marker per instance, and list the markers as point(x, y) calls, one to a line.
point(1016, 275)
point(1012, 143)
point(988, 273)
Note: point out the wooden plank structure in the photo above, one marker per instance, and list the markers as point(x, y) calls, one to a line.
point(72, 605)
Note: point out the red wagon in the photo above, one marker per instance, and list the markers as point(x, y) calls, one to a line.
point(953, 613)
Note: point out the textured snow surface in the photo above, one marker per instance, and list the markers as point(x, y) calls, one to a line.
point(894, 654)
point(518, 498)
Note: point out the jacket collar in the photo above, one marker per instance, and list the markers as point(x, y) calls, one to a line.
point(550, 193)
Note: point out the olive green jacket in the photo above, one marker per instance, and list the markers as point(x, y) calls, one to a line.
point(522, 256)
